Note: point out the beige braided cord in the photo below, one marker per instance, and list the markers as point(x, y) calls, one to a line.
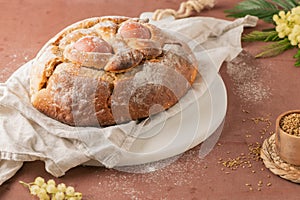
point(186, 9)
point(275, 164)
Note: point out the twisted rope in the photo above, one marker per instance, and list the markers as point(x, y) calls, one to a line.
point(185, 10)
point(275, 164)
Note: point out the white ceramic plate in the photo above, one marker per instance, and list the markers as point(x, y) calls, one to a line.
point(183, 131)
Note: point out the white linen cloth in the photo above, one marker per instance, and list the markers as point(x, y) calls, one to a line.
point(28, 135)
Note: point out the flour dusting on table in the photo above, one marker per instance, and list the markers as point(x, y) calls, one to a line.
point(162, 179)
point(247, 76)
point(15, 60)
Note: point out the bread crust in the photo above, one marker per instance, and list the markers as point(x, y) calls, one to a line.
point(103, 89)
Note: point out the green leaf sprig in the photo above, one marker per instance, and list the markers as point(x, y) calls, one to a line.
point(283, 14)
point(277, 46)
point(265, 36)
point(262, 9)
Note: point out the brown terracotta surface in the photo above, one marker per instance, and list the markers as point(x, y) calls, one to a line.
point(258, 91)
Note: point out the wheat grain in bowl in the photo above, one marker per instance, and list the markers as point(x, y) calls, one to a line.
point(287, 138)
point(291, 124)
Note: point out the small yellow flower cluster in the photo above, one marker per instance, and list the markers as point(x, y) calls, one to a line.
point(288, 25)
point(49, 190)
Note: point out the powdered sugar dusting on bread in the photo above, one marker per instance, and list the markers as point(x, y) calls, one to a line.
point(136, 67)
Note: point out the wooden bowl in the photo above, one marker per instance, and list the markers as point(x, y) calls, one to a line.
point(287, 145)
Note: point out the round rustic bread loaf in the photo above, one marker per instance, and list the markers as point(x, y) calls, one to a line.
point(109, 70)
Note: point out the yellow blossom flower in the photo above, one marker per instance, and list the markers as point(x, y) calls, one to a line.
point(288, 25)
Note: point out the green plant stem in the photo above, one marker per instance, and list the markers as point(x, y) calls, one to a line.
point(25, 184)
point(297, 56)
point(265, 36)
point(275, 48)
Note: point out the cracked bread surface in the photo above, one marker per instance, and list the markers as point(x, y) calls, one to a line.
point(104, 71)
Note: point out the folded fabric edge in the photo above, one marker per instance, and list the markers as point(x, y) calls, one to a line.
point(8, 169)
